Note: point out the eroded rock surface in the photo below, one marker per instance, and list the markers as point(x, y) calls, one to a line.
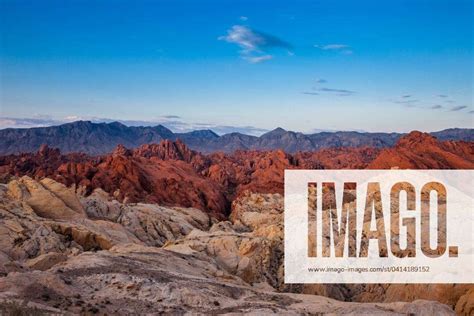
point(62, 252)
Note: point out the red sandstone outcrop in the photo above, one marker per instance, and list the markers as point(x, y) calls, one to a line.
point(422, 151)
point(170, 173)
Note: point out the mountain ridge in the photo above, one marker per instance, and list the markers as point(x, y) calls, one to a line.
point(171, 173)
point(101, 138)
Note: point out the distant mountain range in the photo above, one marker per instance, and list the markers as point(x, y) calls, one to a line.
point(100, 138)
point(170, 173)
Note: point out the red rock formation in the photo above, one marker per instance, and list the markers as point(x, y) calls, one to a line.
point(170, 173)
point(337, 158)
point(422, 151)
point(166, 150)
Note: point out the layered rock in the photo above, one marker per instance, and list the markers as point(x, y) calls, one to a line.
point(422, 151)
point(96, 255)
point(249, 246)
point(263, 215)
point(142, 280)
point(43, 217)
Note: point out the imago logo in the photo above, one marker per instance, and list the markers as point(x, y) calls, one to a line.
point(379, 226)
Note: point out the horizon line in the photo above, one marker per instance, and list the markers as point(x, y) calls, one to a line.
point(56, 123)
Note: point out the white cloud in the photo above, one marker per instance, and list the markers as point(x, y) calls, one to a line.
point(258, 59)
point(225, 129)
point(254, 45)
point(243, 18)
point(10, 122)
point(332, 46)
point(244, 37)
point(342, 48)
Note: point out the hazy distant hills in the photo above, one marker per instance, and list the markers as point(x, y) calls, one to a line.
point(101, 138)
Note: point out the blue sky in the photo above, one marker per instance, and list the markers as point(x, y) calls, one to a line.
point(243, 66)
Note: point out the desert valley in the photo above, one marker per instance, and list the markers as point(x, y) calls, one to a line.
point(236, 157)
point(162, 228)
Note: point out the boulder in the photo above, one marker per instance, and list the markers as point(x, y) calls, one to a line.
point(46, 261)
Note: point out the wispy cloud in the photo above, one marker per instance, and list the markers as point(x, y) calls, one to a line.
point(11, 122)
point(471, 112)
point(328, 91)
point(243, 18)
point(225, 129)
point(254, 44)
point(332, 46)
point(342, 48)
point(339, 92)
point(458, 108)
point(405, 101)
point(257, 59)
point(408, 101)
